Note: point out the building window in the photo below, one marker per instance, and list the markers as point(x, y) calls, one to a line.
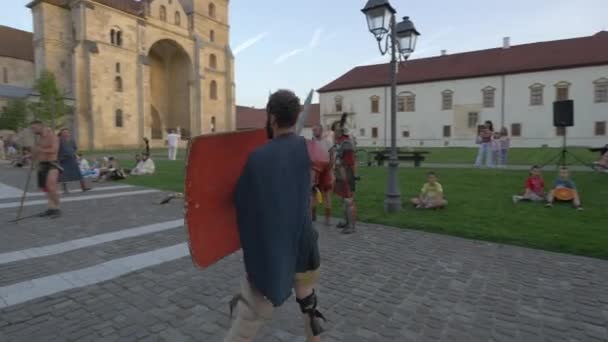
point(118, 84)
point(375, 104)
point(212, 61)
point(447, 131)
point(338, 104)
point(213, 124)
point(536, 94)
point(178, 19)
point(118, 68)
point(447, 100)
point(62, 65)
point(405, 134)
point(163, 13)
point(212, 36)
point(213, 90)
point(562, 91)
point(601, 90)
point(600, 128)
point(212, 10)
point(406, 102)
point(113, 36)
point(560, 131)
point(473, 120)
point(362, 132)
point(119, 38)
point(118, 118)
point(488, 97)
point(375, 132)
point(5, 75)
point(516, 130)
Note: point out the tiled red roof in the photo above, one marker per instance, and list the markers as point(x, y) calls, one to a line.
point(16, 44)
point(252, 118)
point(129, 6)
point(558, 54)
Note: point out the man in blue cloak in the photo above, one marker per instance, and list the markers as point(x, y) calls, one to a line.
point(279, 241)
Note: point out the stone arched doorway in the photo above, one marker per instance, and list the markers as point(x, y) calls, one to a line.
point(170, 69)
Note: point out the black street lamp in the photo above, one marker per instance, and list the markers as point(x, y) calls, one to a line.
point(400, 39)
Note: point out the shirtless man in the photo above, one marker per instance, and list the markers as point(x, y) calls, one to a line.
point(45, 153)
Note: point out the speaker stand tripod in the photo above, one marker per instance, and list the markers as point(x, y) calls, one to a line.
point(561, 159)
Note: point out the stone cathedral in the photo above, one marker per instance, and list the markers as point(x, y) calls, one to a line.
point(138, 68)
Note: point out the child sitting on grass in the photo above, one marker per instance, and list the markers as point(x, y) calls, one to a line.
point(535, 187)
point(564, 190)
point(431, 194)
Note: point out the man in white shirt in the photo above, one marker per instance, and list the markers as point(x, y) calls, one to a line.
point(172, 143)
point(144, 167)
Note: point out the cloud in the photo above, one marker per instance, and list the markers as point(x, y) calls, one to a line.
point(316, 38)
point(282, 58)
point(249, 43)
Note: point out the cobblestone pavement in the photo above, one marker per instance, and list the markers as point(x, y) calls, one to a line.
point(382, 284)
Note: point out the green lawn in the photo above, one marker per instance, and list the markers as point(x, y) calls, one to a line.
point(480, 207)
point(517, 156)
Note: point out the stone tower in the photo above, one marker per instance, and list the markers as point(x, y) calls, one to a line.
point(138, 68)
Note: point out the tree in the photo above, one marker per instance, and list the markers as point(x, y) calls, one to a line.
point(14, 117)
point(50, 108)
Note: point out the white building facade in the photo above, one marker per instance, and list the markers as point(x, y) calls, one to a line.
point(446, 112)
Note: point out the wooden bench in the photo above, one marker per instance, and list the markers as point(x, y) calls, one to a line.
point(417, 156)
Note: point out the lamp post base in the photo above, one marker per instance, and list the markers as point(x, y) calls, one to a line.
point(392, 201)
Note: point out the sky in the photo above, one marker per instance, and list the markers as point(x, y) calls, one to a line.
point(303, 45)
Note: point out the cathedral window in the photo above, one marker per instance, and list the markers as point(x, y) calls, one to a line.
point(118, 118)
point(212, 61)
point(213, 90)
point(178, 19)
point(163, 13)
point(118, 84)
point(212, 10)
point(212, 35)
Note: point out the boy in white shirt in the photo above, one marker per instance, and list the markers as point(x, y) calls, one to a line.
point(172, 143)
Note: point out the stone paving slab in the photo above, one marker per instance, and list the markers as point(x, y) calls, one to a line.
point(382, 284)
point(32, 268)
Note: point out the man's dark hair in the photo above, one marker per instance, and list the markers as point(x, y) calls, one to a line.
point(431, 173)
point(285, 106)
point(35, 122)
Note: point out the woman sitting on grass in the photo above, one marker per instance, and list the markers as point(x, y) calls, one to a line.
point(535, 187)
point(564, 190)
point(602, 164)
point(431, 194)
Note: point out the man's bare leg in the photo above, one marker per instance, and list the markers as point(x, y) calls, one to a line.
point(307, 299)
point(252, 311)
point(327, 198)
point(52, 191)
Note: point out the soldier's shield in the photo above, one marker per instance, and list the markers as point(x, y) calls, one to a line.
point(214, 165)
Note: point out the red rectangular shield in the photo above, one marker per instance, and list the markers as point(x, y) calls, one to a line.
point(213, 167)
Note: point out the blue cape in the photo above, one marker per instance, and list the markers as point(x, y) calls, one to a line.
point(272, 201)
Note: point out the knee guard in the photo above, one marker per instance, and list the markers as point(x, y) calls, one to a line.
point(308, 306)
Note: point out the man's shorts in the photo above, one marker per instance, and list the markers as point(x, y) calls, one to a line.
point(44, 168)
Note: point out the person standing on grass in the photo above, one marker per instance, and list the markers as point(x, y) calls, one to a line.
point(484, 139)
point(2, 154)
point(45, 153)
point(431, 195)
point(345, 175)
point(535, 187)
point(564, 190)
point(173, 144)
point(505, 144)
point(68, 160)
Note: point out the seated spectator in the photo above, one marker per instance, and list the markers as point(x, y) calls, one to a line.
point(25, 158)
point(144, 167)
point(564, 190)
point(602, 164)
point(535, 187)
point(431, 195)
point(110, 170)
